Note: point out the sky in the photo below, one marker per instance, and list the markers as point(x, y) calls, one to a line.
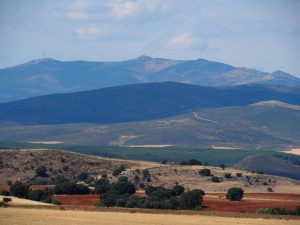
point(260, 34)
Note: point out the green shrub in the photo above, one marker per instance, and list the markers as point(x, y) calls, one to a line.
point(160, 194)
point(37, 195)
point(19, 189)
point(122, 187)
point(235, 194)
point(215, 179)
point(192, 162)
point(177, 190)
point(6, 200)
point(204, 172)
point(239, 174)
point(145, 173)
point(4, 193)
point(71, 188)
point(118, 170)
point(83, 176)
point(279, 211)
point(56, 202)
point(227, 175)
point(191, 199)
point(41, 171)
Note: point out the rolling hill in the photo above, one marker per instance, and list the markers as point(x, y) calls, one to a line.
point(21, 165)
point(139, 102)
point(49, 76)
point(258, 126)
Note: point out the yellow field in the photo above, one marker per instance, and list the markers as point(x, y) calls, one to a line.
point(22, 201)
point(19, 216)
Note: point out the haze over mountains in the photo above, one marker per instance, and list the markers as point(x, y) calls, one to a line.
point(48, 76)
point(184, 104)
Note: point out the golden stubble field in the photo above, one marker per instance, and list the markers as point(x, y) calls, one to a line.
point(22, 216)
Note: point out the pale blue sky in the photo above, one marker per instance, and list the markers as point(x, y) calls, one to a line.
point(261, 34)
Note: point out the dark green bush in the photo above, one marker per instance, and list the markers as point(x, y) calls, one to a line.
point(280, 211)
point(122, 187)
point(83, 176)
point(4, 193)
point(239, 174)
point(235, 194)
point(71, 188)
point(204, 172)
point(56, 202)
point(7, 200)
point(191, 199)
point(215, 179)
point(227, 175)
point(19, 189)
point(192, 162)
point(118, 170)
point(177, 190)
point(41, 171)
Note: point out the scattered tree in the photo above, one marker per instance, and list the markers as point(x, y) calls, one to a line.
point(227, 175)
point(239, 174)
point(83, 176)
point(177, 190)
point(191, 199)
point(41, 171)
point(215, 179)
point(118, 170)
point(235, 194)
point(19, 189)
point(204, 172)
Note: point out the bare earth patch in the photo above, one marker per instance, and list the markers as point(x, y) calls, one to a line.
point(295, 151)
point(148, 146)
point(224, 147)
point(46, 142)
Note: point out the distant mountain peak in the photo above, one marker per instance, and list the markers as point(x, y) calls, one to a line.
point(144, 57)
point(42, 60)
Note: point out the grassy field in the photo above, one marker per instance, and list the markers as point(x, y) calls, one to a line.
point(21, 201)
point(173, 154)
point(19, 216)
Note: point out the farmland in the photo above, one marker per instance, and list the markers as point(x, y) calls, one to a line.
point(212, 201)
point(63, 217)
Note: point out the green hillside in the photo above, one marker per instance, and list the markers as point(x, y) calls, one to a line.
point(247, 127)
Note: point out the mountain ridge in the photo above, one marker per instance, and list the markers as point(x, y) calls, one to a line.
point(50, 76)
point(137, 102)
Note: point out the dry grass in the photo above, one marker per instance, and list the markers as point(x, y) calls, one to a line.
point(21, 216)
point(188, 177)
point(21, 164)
point(20, 201)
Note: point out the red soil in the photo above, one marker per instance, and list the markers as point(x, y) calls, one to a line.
point(41, 187)
point(4, 188)
point(33, 187)
point(251, 202)
point(77, 200)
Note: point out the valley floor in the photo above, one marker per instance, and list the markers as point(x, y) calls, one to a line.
point(20, 216)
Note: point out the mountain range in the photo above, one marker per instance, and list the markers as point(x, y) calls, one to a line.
point(49, 76)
